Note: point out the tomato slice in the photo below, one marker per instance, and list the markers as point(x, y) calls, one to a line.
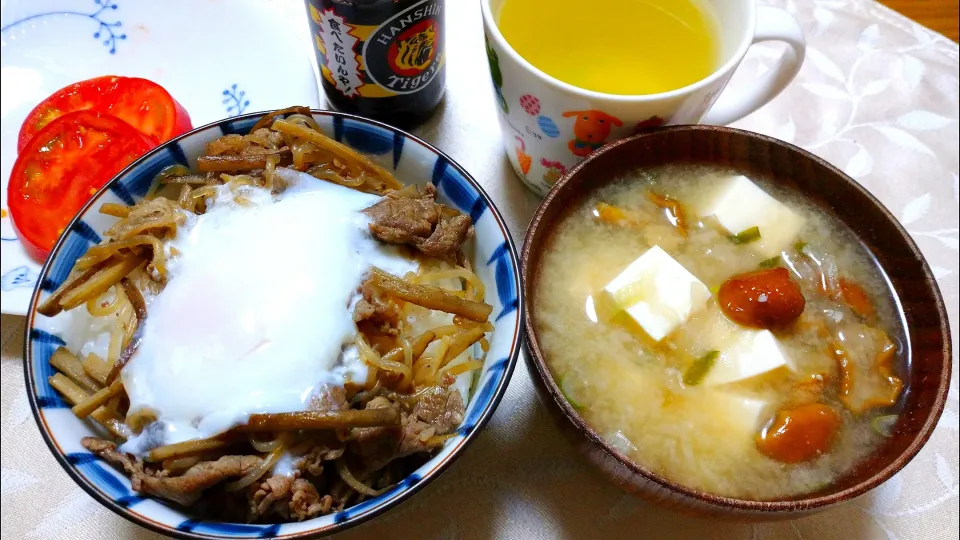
point(143, 104)
point(148, 107)
point(61, 167)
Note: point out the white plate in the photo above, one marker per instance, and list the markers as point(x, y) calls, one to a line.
point(217, 58)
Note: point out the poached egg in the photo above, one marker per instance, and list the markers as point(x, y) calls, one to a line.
point(257, 313)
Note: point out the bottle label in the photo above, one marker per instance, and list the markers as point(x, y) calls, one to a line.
point(405, 53)
point(337, 50)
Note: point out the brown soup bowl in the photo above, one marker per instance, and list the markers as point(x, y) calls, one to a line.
point(928, 349)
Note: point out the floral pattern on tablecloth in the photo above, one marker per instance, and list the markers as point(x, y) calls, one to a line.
point(878, 96)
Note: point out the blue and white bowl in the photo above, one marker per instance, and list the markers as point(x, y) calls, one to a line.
point(412, 160)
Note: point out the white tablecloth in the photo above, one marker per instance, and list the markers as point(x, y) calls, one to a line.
point(878, 97)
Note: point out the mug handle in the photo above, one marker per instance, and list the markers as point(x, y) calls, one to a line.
point(773, 24)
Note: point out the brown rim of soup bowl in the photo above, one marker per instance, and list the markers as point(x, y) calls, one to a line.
point(917, 298)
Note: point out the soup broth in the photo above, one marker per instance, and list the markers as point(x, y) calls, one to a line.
point(759, 408)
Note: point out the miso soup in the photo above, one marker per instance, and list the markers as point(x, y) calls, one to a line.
point(724, 333)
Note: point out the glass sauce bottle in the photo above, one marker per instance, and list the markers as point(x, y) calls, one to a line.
point(383, 59)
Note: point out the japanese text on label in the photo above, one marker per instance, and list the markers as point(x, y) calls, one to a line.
point(339, 57)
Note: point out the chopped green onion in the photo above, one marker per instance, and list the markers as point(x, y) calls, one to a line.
point(772, 262)
point(820, 486)
point(746, 236)
point(566, 388)
point(699, 368)
point(884, 424)
point(800, 246)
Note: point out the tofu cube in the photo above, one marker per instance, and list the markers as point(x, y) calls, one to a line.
point(742, 415)
point(740, 205)
point(747, 354)
point(657, 292)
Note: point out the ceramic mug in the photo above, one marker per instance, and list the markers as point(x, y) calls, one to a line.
point(549, 125)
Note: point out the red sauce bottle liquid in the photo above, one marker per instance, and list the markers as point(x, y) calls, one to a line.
point(383, 59)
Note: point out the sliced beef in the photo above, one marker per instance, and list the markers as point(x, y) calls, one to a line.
point(271, 496)
point(377, 446)
point(451, 232)
point(365, 310)
point(184, 489)
point(107, 451)
point(382, 312)
point(414, 436)
point(287, 497)
point(405, 220)
point(330, 398)
point(187, 488)
point(306, 503)
point(281, 497)
point(442, 408)
point(421, 222)
point(437, 413)
point(312, 462)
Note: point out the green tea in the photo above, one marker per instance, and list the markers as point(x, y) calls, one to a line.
point(627, 47)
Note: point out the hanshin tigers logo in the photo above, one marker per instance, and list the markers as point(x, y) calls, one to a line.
point(404, 54)
point(413, 50)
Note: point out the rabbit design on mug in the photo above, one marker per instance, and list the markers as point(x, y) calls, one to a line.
point(590, 130)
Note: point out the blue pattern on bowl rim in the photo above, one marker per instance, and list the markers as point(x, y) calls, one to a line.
point(495, 262)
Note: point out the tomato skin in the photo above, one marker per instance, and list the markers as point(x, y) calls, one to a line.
point(61, 167)
point(149, 108)
point(766, 299)
point(141, 103)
